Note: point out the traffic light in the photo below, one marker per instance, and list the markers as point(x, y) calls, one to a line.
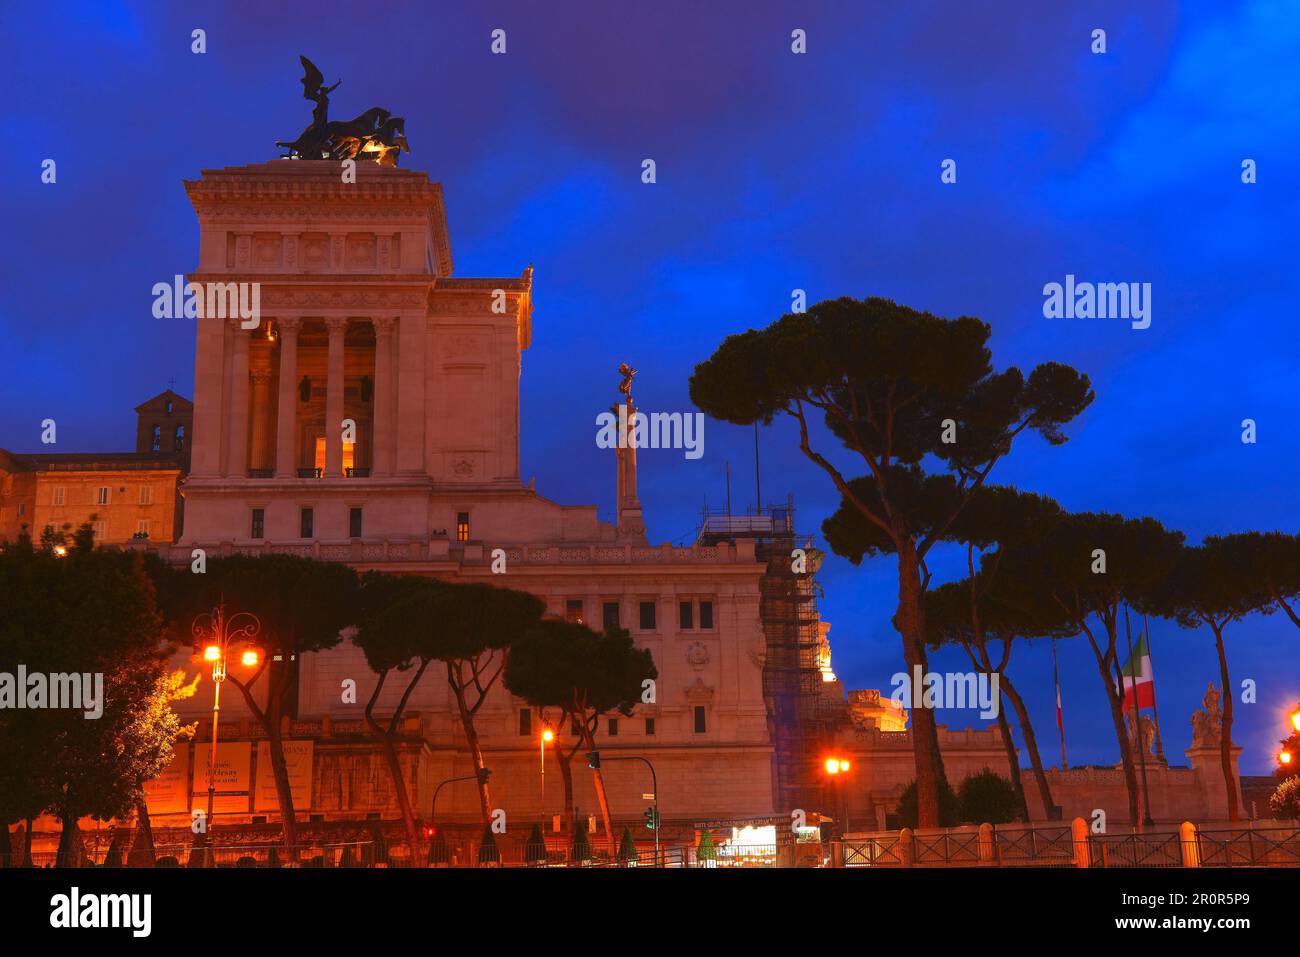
point(651, 816)
point(483, 774)
point(593, 760)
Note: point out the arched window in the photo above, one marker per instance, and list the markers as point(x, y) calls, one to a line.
point(156, 445)
point(179, 442)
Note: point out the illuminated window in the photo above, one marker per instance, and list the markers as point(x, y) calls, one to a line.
point(349, 455)
point(462, 526)
point(573, 610)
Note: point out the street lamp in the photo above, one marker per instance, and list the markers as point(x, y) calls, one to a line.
point(836, 766)
point(1295, 719)
point(547, 737)
point(220, 634)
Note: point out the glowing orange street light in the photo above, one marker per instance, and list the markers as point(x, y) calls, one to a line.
point(1295, 719)
point(548, 735)
point(211, 653)
point(249, 658)
point(836, 765)
point(60, 551)
point(1284, 757)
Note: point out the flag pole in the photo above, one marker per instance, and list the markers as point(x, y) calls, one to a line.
point(1160, 745)
point(1060, 715)
point(1137, 724)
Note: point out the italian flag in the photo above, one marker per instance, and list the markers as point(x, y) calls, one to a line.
point(1139, 688)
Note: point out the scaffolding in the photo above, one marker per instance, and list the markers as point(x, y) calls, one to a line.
point(801, 718)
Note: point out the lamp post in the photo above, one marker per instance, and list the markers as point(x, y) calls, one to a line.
point(221, 633)
point(547, 736)
point(834, 768)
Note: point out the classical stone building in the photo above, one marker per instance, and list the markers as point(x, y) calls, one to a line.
point(372, 417)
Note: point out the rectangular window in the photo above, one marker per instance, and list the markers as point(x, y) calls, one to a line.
point(60, 495)
point(146, 494)
point(100, 529)
point(525, 722)
point(142, 528)
point(647, 616)
point(699, 719)
point(686, 611)
point(462, 526)
point(101, 497)
point(354, 523)
point(259, 523)
point(706, 614)
point(573, 610)
point(609, 612)
point(650, 727)
point(22, 509)
point(613, 727)
point(306, 523)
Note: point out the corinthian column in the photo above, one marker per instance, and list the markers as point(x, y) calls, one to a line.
point(261, 452)
point(337, 325)
point(238, 461)
point(385, 394)
point(286, 426)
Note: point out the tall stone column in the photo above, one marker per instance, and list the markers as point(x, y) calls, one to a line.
point(261, 451)
point(286, 427)
point(337, 325)
point(238, 449)
point(385, 394)
point(209, 401)
point(410, 393)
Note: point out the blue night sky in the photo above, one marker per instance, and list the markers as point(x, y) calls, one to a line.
point(775, 172)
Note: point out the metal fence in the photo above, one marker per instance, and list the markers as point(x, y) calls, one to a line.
point(1056, 845)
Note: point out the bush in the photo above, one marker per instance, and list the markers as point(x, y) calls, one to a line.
point(987, 798)
point(948, 807)
point(1285, 801)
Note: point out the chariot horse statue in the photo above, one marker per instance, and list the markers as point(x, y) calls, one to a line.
point(376, 134)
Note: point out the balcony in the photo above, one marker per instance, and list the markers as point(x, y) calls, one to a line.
point(310, 473)
point(261, 473)
point(356, 473)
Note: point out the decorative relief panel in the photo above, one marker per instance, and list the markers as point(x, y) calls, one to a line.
point(361, 251)
point(266, 251)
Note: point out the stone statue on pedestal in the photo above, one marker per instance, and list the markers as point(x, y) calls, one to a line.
point(1207, 724)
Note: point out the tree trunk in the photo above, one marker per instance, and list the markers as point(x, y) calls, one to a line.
point(394, 761)
point(601, 798)
point(925, 736)
point(566, 775)
point(142, 852)
point(72, 850)
point(1013, 763)
point(471, 740)
point(1116, 702)
point(270, 721)
point(1225, 738)
point(282, 790)
point(1031, 743)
